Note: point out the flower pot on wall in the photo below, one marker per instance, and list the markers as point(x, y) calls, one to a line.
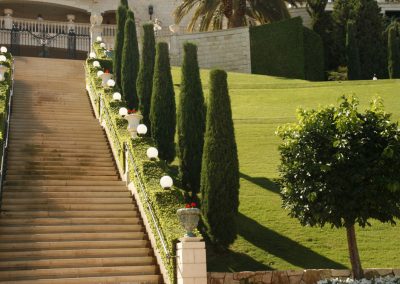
point(133, 122)
point(189, 218)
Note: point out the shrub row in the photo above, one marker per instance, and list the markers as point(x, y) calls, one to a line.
point(164, 202)
point(5, 88)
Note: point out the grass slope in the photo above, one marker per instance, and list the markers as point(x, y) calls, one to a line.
point(268, 238)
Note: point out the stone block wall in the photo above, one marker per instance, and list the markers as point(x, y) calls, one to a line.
point(227, 49)
point(311, 276)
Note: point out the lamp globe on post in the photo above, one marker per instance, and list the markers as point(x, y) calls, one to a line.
point(3, 58)
point(152, 153)
point(141, 129)
point(102, 45)
point(117, 97)
point(99, 38)
point(2, 78)
point(123, 111)
point(111, 83)
point(96, 64)
point(3, 49)
point(100, 73)
point(166, 182)
point(92, 55)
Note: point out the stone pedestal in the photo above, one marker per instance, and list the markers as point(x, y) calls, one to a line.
point(191, 261)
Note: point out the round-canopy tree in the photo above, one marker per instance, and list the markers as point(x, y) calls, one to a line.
point(342, 167)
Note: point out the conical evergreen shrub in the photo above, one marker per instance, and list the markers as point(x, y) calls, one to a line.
point(144, 83)
point(163, 109)
point(125, 3)
point(191, 120)
point(220, 166)
point(393, 53)
point(119, 43)
point(352, 53)
point(130, 63)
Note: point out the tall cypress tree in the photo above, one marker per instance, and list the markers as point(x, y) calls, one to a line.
point(220, 166)
point(144, 82)
point(125, 3)
point(130, 64)
point(393, 53)
point(353, 58)
point(119, 43)
point(163, 109)
point(191, 120)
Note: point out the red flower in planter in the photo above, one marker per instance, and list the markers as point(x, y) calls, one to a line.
point(131, 111)
point(191, 205)
point(106, 71)
point(187, 206)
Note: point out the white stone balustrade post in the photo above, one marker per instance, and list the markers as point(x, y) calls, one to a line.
point(191, 261)
point(96, 29)
point(8, 20)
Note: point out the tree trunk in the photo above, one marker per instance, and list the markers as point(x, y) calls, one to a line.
point(237, 19)
point(353, 251)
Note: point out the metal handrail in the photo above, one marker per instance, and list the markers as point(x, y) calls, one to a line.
point(7, 130)
point(128, 153)
point(149, 206)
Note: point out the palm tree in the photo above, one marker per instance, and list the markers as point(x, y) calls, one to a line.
point(212, 14)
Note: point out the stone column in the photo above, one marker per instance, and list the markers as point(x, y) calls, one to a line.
point(96, 29)
point(191, 261)
point(8, 21)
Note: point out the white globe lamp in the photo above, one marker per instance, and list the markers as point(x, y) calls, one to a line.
point(141, 129)
point(152, 153)
point(166, 182)
point(123, 111)
point(3, 49)
point(117, 96)
point(99, 73)
point(111, 83)
point(3, 58)
point(96, 64)
point(102, 45)
point(92, 55)
point(99, 39)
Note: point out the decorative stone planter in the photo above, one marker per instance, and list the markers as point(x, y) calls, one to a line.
point(189, 218)
point(3, 69)
point(133, 122)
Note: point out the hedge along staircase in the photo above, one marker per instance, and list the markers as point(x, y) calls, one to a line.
point(65, 216)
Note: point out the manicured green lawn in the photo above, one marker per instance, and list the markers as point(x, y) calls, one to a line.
point(268, 238)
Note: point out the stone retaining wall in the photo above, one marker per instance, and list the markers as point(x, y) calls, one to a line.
point(311, 276)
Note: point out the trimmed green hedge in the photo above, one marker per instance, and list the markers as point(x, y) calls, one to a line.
point(313, 56)
point(286, 49)
point(5, 88)
point(164, 202)
point(277, 49)
point(100, 52)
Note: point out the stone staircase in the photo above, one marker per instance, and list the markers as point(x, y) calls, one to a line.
point(66, 217)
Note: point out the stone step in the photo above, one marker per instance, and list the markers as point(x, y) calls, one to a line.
point(58, 144)
point(56, 237)
point(69, 221)
point(63, 200)
point(66, 188)
point(52, 177)
point(68, 207)
point(42, 229)
point(61, 167)
point(77, 159)
point(94, 194)
point(49, 124)
point(69, 214)
point(75, 253)
point(55, 163)
point(76, 262)
point(64, 182)
point(18, 246)
point(86, 171)
point(148, 279)
point(100, 154)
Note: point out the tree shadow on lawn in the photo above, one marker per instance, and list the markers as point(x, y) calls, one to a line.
point(281, 246)
point(232, 261)
point(263, 182)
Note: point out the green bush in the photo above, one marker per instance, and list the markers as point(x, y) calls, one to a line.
point(5, 88)
point(313, 56)
point(352, 53)
point(164, 202)
point(144, 83)
point(393, 53)
point(100, 54)
point(119, 43)
point(191, 121)
point(286, 49)
point(163, 109)
point(277, 49)
point(130, 64)
point(220, 166)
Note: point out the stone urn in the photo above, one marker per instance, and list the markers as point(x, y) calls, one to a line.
point(189, 218)
point(133, 122)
